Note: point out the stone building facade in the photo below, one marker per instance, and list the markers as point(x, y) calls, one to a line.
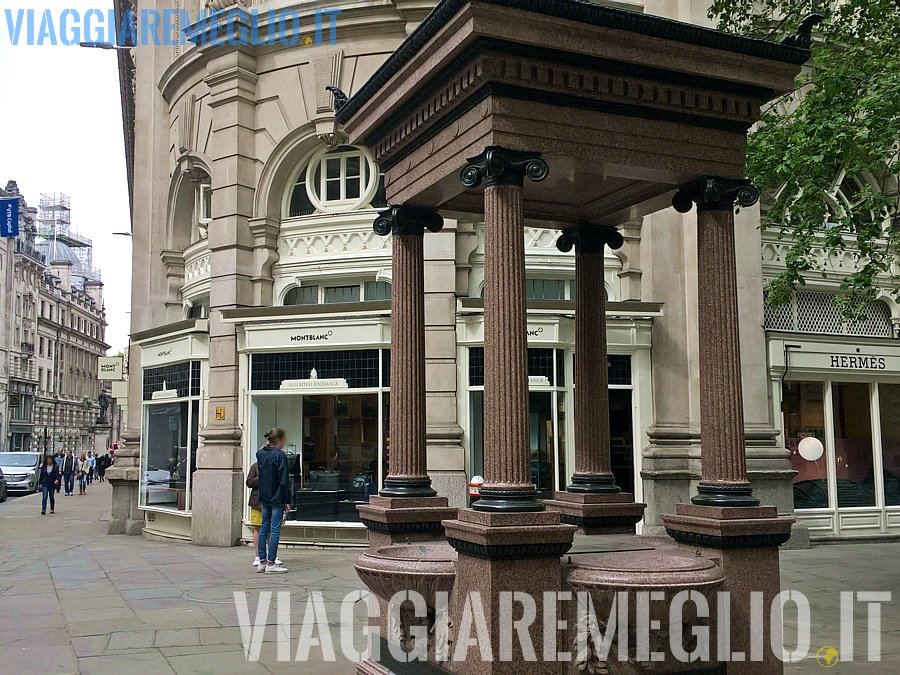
point(53, 334)
point(261, 299)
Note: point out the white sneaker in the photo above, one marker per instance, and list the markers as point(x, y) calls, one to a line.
point(261, 568)
point(275, 569)
point(256, 561)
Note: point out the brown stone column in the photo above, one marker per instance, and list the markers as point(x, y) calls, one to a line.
point(593, 466)
point(408, 471)
point(507, 467)
point(723, 462)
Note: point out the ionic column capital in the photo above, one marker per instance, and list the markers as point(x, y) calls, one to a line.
point(401, 220)
point(501, 166)
point(589, 238)
point(715, 193)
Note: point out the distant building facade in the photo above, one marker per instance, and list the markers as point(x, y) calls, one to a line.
point(54, 333)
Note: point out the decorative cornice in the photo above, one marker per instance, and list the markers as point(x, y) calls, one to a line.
point(586, 238)
point(715, 193)
point(582, 12)
point(501, 166)
point(510, 551)
point(597, 522)
point(402, 220)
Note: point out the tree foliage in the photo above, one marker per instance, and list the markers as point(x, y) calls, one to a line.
point(840, 125)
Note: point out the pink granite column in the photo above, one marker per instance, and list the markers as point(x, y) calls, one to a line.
point(723, 462)
point(408, 470)
point(507, 465)
point(593, 465)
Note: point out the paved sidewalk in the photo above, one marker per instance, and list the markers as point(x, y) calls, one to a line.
point(73, 599)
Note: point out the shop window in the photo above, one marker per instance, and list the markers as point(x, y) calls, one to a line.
point(377, 290)
point(302, 295)
point(183, 378)
point(545, 289)
point(360, 367)
point(169, 455)
point(336, 294)
point(854, 472)
point(804, 418)
point(889, 407)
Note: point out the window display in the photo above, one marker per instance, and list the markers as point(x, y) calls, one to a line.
point(804, 417)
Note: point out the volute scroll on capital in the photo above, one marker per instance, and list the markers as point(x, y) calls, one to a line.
point(501, 166)
point(401, 220)
point(589, 238)
point(715, 193)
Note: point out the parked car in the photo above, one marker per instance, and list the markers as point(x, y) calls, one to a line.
point(3, 489)
point(22, 470)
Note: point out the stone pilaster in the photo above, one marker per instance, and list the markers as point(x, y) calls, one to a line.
point(217, 484)
point(124, 475)
point(592, 501)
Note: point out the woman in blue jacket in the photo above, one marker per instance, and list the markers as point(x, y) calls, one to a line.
point(49, 482)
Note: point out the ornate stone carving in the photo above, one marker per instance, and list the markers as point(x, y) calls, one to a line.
point(402, 220)
point(340, 98)
point(218, 5)
point(803, 37)
point(502, 166)
point(715, 193)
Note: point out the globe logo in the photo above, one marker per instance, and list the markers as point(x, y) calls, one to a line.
point(827, 657)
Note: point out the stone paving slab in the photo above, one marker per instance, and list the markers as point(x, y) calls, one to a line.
point(74, 600)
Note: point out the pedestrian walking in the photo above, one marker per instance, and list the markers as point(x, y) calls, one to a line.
point(255, 510)
point(102, 466)
point(68, 466)
point(274, 498)
point(49, 481)
point(82, 473)
point(58, 458)
point(92, 466)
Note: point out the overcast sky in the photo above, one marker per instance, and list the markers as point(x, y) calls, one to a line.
point(61, 131)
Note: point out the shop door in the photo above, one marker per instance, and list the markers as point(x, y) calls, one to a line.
point(540, 416)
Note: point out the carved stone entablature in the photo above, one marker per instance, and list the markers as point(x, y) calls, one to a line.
point(501, 73)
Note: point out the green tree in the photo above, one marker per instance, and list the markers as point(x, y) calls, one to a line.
point(826, 155)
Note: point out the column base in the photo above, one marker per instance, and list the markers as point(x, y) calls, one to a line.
point(407, 488)
point(724, 495)
point(598, 513)
point(744, 542)
point(594, 485)
point(492, 500)
point(397, 520)
point(499, 554)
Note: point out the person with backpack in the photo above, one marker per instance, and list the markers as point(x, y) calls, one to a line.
point(274, 498)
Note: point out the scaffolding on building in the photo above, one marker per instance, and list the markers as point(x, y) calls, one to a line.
point(55, 226)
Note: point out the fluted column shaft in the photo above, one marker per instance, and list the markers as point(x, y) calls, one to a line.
point(723, 461)
point(507, 465)
point(408, 466)
point(593, 465)
point(507, 458)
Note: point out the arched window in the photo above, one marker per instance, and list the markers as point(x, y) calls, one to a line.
point(342, 179)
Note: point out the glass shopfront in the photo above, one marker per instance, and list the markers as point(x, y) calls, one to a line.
point(334, 406)
point(844, 440)
point(170, 435)
point(549, 426)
